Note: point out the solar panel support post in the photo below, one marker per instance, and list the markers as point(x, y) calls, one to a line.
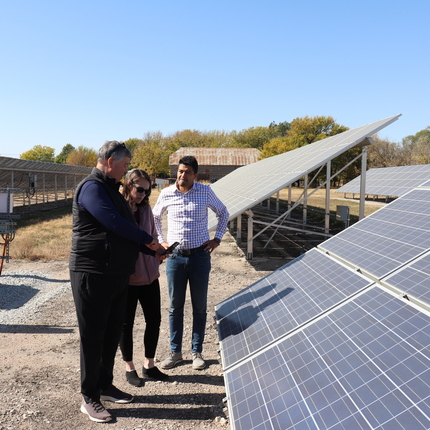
point(305, 200)
point(249, 245)
point(239, 229)
point(290, 187)
point(277, 202)
point(327, 198)
point(363, 182)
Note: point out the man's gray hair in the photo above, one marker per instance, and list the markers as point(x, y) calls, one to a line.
point(113, 149)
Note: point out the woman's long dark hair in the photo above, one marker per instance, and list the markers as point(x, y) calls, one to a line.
point(130, 178)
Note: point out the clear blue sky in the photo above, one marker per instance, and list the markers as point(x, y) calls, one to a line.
point(83, 72)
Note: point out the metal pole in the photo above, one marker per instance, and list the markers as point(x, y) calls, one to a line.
point(305, 200)
point(250, 234)
point(327, 198)
point(239, 229)
point(363, 182)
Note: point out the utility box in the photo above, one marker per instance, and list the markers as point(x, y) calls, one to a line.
point(6, 198)
point(342, 214)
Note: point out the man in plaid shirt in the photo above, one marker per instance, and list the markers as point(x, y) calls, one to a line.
point(187, 203)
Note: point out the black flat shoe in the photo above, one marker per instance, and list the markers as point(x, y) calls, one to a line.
point(154, 373)
point(133, 379)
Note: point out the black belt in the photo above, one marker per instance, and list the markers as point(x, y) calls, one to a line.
point(188, 252)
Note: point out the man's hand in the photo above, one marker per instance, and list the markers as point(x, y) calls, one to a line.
point(159, 253)
point(210, 245)
point(153, 245)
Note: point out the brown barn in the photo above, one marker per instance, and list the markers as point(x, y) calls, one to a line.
point(214, 163)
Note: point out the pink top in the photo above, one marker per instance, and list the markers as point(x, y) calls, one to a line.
point(147, 266)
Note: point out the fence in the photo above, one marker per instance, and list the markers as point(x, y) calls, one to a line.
point(41, 185)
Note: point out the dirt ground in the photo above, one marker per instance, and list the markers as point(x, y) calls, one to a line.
point(39, 381)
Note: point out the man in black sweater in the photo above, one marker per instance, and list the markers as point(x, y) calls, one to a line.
point(105, 245)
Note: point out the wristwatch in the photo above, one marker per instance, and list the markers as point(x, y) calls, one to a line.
point(217, 240)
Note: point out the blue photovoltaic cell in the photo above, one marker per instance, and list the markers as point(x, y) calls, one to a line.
point(387, 239)
point(414, 280)
point(282, 301)
point(366, 365)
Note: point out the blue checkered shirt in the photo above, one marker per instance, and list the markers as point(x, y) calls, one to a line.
point(187, 215)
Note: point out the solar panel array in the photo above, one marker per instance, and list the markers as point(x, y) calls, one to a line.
point(388, 238)
point(390, 181)
point(325, 343)
point(248, 185)
point(359, 367)
point(282, 301)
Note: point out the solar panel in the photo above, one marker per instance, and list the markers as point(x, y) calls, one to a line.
point(387, 239)
point(390, 181)
point(414, 279)
point(366, 365)
point(245, 187)
point(282, 301)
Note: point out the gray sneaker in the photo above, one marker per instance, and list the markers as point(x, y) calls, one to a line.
point(172, 360)
point(95, 411)
point(198, 362)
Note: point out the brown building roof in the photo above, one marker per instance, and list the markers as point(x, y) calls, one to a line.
point(218, 156)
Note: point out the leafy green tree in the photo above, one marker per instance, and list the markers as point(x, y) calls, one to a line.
point(277, 145)
point(281, 128)
point(62, 156)
point(418, 147)
point(197, 139)
point(82, 156)
point(383, 153)
point(152, 154)
point(302, 131)
point(253, 137)
point(39, 153)
point(132, 144)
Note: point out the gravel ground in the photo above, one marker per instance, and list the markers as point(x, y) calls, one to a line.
point(39, 382)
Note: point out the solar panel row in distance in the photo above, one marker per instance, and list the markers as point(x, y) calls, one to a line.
point(366, 365)
point(390, 181)
point(281, 302)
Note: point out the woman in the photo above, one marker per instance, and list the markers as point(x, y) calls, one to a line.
point(144, 286)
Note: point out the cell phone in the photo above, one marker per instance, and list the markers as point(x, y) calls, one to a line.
point(170, 249)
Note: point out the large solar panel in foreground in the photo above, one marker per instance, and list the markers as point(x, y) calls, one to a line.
point(245, 187)
point(390, 181)
point(387, 239)
point(361, 361)
point(281, 302)
point(366, 365)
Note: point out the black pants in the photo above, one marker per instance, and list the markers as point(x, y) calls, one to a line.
point(149, 298)
point(100, 308)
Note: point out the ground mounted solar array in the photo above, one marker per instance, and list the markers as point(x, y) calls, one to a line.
point(389, 181)
point(324, 343)
point(366, 365)
point(248, 185)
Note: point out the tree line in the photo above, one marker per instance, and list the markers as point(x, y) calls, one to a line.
point(152, 152)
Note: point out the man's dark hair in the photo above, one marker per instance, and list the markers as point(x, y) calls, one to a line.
point(190, 161)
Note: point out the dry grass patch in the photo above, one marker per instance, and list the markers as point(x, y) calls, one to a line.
point(44, 236)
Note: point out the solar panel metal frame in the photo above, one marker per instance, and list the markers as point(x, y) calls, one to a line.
point(249, 185)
